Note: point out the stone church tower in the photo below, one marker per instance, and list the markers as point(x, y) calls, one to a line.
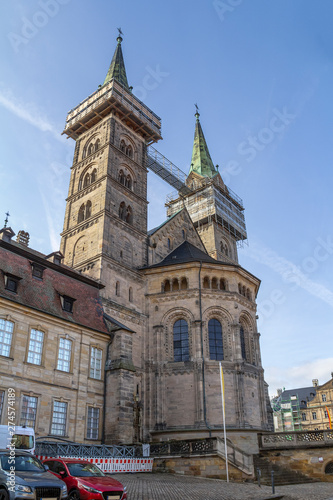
point(179, 290)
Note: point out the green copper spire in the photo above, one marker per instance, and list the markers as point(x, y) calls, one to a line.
point(201, 161)
point(117, 66)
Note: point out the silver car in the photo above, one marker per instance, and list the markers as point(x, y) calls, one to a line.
point(23, 476)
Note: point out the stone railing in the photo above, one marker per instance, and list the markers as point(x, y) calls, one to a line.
point(296, 439)
point(207, 446)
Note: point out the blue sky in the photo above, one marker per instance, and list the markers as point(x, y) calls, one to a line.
point(261, 72)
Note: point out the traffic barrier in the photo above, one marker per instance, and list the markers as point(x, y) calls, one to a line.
point(113, 465)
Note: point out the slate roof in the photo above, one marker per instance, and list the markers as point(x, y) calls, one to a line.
point(186, 252)
point(117, 67)
point(152, 231)
point(303, 393)
point(44, 294)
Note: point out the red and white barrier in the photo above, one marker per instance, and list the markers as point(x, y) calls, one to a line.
point(113, 465)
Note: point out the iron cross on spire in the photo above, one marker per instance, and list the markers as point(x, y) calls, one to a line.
point(196, 107)
point(6, 219)
point(120, 32)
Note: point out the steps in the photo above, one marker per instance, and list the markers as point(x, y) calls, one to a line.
point(282, 476)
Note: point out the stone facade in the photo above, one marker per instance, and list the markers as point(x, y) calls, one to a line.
point(318, 413)
point(150, 287)
point(175, 300)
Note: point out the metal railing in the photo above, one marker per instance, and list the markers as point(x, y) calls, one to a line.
point(52, 449)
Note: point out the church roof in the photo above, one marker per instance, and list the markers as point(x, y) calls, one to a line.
point(117, 67)
point(201, 162)
point(186, 252)
point(152, 231)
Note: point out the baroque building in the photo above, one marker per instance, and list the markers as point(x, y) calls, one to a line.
point(158, 309)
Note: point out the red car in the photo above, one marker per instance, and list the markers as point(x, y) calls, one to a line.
point(85, 481)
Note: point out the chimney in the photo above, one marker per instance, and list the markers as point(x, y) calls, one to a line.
point(315, 382)
point(23, 238)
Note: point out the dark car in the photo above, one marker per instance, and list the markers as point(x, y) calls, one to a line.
point(85, 481)
point(23, 476)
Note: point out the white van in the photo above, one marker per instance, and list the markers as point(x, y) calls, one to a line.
point(22, 439)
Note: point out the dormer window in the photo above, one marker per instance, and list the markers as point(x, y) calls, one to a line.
point(11, 282)
point(37, 270)
point(67, 303)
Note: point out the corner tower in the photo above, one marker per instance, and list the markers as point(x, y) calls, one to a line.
point(215, 210)
point(105, 227)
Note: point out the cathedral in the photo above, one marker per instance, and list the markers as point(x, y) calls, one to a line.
point(159, 309)
point(178, 287)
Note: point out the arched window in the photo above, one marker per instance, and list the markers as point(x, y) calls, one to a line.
point(122, 146)
point(130, 294)
point(97, 144)
point(242, 342)
point(239, 288)
point(129, 151)
point(183, 234)
point(175, 284)
point(88, 209)
point(122, 210)
point(167, 286)
point(117, 288)
point(93, 176)
point(248, 294)
point(206, 282)
point(121, 177)
point(214, 284)
point(244, 291)
point(81, 213)
point(128, 182)
point(181, 350)
point(215, 340)
point(86, 181)
point(169, 243)
point(183, 283)
point(129, 215)
point(90, 149)
point(223, 285)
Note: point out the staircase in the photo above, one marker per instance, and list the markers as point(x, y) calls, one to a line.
point(282, 476)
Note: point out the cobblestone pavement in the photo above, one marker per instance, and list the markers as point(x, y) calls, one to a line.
point(147, 486)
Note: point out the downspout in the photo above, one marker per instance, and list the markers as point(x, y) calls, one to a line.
point(104, 391)
point(202, 357)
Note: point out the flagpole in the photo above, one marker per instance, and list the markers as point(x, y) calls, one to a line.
point(223, 416)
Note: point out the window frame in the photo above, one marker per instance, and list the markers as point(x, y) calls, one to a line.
point(3, 333)
point(185, 349)
point(63, 421)
point(95, 369)
point(62, 360)
point(212, 339)
point(25, 421)
point(35, 353)
point(92, 431)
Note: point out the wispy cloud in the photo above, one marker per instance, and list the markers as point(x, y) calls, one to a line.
point(299, 376)
point(286, 269)
point(28, 112)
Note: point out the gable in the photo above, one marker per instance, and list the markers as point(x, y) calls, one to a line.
point(170, 235)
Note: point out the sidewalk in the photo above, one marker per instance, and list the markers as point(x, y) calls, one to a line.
point(146, 486)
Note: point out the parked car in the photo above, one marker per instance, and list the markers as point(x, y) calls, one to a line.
point(85, 481)
point(23, 476)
